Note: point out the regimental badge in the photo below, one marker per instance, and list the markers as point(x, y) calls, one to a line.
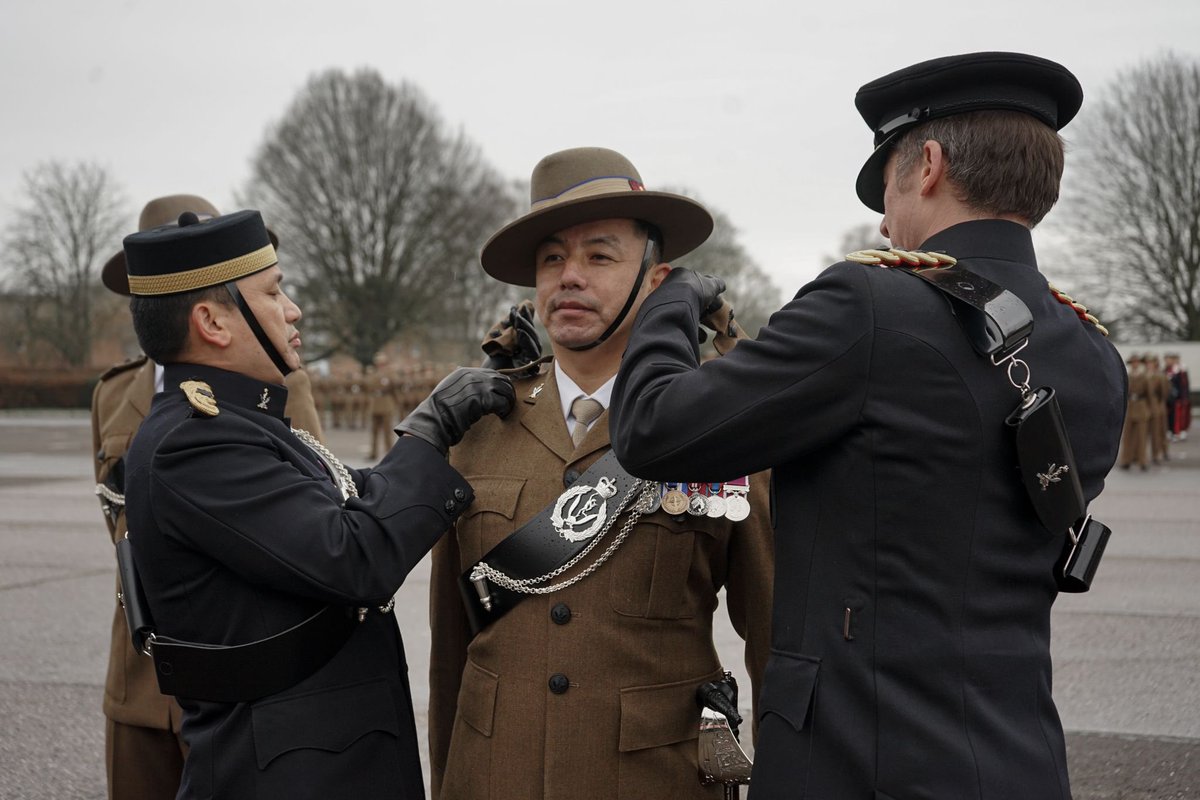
point(1053, 474)
point(581, 511)
point(264, 400)
point(201, 396)
point(536, 391)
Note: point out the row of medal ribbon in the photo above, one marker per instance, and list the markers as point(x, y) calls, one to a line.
point(726, 499)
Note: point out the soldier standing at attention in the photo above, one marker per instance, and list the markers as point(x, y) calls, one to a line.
point(143, 752)
point(267, 565)
point(572, 607)
point(919, 463)
point(1135, 440)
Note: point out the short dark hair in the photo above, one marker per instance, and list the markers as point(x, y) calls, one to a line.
point(1001, 162)
point(652, 233)
point(161, 322)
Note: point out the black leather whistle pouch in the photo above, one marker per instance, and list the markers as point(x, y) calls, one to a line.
point(1077, 566)
point(133, 599)
point(1047, 462)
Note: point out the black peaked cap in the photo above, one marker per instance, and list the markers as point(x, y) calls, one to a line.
point(943, 87)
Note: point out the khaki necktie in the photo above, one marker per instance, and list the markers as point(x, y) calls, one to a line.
point(585, 410)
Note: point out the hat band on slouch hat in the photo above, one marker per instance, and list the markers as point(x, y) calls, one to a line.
point(590, 188)
point(201, 277)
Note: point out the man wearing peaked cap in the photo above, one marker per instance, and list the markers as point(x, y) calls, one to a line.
point(143, 754)
point(587, 688)
point(916, 561)
point(266, 565)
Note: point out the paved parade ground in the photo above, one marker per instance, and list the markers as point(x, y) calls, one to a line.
point(1127, 655)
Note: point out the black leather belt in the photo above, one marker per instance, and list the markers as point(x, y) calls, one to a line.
point(231, 673)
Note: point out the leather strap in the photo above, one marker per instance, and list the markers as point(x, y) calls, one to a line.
point(994, 319)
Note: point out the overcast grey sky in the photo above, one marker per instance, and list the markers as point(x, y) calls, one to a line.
point(750, 104)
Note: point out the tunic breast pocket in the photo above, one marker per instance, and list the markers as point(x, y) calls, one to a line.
point(650, 571)
point(489, 520)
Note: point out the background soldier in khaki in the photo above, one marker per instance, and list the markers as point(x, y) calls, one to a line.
point(1160, 390)
point(143, 754)
point(383, 409)
point(1135, 436)
point(588, 691)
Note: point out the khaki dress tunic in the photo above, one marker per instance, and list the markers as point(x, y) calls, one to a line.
point(588, 692)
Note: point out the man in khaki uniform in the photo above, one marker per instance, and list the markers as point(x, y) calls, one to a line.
point(1135, 436)
point(1160, 390)
point(587, 691)
point(383, 409)
point(143, 754)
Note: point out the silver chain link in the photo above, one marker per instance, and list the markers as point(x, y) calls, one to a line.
point(347, 483)
point(525, 585)
point(116, 498)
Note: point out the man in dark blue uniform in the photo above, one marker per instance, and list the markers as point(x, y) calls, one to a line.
point(914, 580)
point(267, 565)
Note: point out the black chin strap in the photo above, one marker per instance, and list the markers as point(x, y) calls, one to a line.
point(259, 333)
point(637, 286)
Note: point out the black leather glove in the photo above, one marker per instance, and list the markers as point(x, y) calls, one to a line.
point(721, 696)
point(513, 341)
point(706, 288)
point(458, 402)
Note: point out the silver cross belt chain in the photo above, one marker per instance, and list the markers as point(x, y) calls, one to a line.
point(644, 492)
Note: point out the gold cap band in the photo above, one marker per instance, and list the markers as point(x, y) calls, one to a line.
point(202, 277)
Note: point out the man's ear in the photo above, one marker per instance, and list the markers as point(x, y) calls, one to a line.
point(933, 165)
point(209, 321)
point(658, 273)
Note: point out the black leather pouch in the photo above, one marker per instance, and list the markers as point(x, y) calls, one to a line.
point(1081, 556)
point(1047, 462)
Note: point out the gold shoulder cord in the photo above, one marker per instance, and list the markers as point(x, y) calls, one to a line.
point(1079, 308)
point(894, 257)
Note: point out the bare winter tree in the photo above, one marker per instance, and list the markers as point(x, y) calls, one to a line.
point(863, 236)
point(378, 208)
point(72, 219)
point(751, 292)
point(1134, 196)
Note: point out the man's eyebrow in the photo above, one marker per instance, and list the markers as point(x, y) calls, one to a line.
point(604, 238)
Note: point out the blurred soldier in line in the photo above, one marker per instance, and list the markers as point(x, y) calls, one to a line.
point(586, 688)
point(1135, 445)
point(382, 408)
point(143, 754)
point(1160, 390)
point(1179, 401)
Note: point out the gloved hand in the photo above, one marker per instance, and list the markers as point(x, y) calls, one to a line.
point(513, 341)
point(458, 402)
point(706, 288)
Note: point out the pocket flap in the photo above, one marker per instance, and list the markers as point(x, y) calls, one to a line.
point(496, 493)
point(477, 697)
point(331, 719)
point(653, 716)
point(789, 684)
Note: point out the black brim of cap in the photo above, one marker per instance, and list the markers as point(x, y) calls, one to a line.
point(869, 185)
